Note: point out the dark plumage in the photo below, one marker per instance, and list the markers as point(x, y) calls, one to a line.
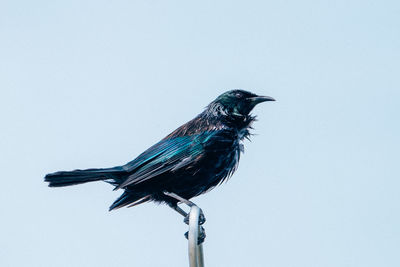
point(191, 160)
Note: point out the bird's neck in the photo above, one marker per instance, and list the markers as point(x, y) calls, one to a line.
point(216, 114)
point(215, 118)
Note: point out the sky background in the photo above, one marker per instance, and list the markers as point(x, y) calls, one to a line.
point(94, 83)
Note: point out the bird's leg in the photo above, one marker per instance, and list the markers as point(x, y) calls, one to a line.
point(202, 218)
point(179, 198)
point(179, 210)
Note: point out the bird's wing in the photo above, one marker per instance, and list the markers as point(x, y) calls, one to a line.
point(170, 155)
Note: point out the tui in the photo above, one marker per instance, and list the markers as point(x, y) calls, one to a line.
point(192, 160)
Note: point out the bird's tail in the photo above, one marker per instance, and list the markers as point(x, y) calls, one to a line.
point(130, 199)
point(66, 178)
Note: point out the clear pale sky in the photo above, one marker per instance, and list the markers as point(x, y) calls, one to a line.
point(88, 84)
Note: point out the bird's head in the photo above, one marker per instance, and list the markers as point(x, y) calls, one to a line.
point(239, 102)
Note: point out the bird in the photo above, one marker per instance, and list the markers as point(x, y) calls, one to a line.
point(192, 160)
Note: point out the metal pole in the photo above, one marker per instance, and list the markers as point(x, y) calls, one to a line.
point(196, 258)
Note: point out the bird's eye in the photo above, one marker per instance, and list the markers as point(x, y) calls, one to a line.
point(238, 95)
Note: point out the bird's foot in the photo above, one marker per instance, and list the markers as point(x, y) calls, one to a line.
point(202, 218)
point(201, 237)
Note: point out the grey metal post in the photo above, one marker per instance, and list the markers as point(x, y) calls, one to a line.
point(196, 258)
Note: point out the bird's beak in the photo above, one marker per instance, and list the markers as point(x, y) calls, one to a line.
point(259, 99)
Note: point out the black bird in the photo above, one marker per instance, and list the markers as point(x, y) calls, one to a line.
point(193, 159)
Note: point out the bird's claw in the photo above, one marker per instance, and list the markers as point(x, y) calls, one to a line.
point(202, 218)
point(201, 237)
